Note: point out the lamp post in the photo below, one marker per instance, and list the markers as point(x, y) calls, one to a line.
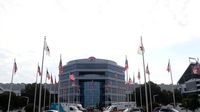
point(154, 97)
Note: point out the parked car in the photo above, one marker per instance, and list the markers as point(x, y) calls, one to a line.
point(51, 111)
point(156, 109)
point(134, 109)
point(168, 110)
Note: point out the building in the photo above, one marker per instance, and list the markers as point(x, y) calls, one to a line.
point(98, 82)
point(189, 82)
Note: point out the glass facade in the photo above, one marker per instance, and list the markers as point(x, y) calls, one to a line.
point(98, 83)
point(91, 93)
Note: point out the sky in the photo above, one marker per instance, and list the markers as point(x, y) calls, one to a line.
point(105, 29)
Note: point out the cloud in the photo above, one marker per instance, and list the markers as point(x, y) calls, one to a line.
point(104, 29)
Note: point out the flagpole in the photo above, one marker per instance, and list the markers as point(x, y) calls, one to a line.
point(59, 94)
point(135, 96)
point(40, 93)
point(127, 86)
point(50, 96)
point(8, 110)
point(150, 92)
point(10, 93)
point(140, 93)
point(54, 96)
point(134, 87)
point(172, 86)
point(68, 93)
point(60, 72)
point(45, 90)
point(35, 95)
point(146, 97)
point(55, 90)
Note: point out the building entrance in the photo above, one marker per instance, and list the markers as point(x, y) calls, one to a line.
point(91, 94)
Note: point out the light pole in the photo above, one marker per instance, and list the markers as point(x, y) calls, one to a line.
point(154, 97)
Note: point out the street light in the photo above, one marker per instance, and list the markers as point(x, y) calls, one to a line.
point(154, 96)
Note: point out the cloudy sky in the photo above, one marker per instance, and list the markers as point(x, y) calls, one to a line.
point(106, 29)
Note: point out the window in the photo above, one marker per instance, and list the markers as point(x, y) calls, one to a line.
point(70, 108)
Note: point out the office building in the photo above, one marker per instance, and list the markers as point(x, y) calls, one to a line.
point(98, 82)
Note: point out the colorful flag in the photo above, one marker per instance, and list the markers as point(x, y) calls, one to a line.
point(55, 82)
point(147, 70)
point(196, 68)
point(138, 74)
point(48, 75)
point(51, 79)
point(38, 71)
point(141, 47)
point(133, 79)
point(130, 81)
point(60, 67)
point(46, 48)
point(14, 67)
point(169, 67)
point(71, 77)
point(126, 64)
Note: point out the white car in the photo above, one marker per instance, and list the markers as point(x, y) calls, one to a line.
point(168, 110)
point(51, 111)
point(133, 110)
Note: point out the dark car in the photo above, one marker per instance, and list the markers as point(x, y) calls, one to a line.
point(156, 109)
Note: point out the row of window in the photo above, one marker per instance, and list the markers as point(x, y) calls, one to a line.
point(93, 66)
point(106, 90)
point(108, 83)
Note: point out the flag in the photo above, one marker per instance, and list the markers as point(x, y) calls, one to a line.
point(71, 77)
point(126, 64)
point(38, 71)
point(133, 79)
point(147, 70)
point(169, 67)
point(138, 74)
point(130, 81)
point(141, 47)
point(48, 75)
point(46, 48)
point(60, 67)
point(51, 79)
point(196, 68)
point(14, 67)
point(55, 80)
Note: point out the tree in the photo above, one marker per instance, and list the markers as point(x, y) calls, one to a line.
point(185, 103)
point(163, 97)
point(16, 101)
point(155, 89)
point(178, 95)
point(29, 92)
point(193, 101)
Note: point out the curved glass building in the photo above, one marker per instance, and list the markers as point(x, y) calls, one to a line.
point(98, 82)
